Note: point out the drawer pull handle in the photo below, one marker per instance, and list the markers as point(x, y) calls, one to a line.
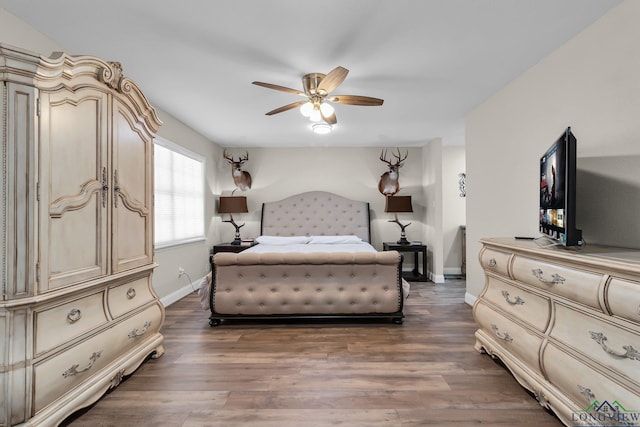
point(73, 370)
point(493, 263)
point(505, 337)
point(74, 315)
point(517, 301)
point(135, 332)
point(586, 392)
point(629, 353)
point(131, 293)
point(555, 277)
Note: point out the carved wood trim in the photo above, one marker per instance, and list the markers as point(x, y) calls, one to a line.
point(64, 70)
point(112, 75)
point(131, 203)
point(4, 95)
point(75, 202)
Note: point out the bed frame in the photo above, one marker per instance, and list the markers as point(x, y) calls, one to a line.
point(319, 285)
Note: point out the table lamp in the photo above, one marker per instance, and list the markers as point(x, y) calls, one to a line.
point(231, 205)
point(397, 204)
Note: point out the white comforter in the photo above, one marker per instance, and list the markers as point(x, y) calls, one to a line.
point(310, 248)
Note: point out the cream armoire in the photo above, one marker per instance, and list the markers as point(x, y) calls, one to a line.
point(77, 311)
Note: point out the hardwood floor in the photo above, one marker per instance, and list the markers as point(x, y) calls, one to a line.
point(424, 372)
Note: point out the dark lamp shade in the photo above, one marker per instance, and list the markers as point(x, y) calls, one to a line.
point(398, 204)
point(233, 204)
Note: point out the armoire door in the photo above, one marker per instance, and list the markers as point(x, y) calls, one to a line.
point(132, 174)
point(74, 187)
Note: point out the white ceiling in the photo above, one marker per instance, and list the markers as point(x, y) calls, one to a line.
point(431, 61)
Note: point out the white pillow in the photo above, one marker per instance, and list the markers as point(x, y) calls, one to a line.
point(334, 240)
point(282, 240)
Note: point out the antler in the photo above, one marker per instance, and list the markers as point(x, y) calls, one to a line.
point(383, 157)
point(227, 156)
point(241, 159)
point(399, 158)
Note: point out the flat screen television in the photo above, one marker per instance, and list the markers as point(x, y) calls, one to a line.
point(558, 191)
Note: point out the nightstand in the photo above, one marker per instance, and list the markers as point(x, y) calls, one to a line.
point(419, 251)
point(228, 247)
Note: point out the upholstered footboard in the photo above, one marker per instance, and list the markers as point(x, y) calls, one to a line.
point(272, 285)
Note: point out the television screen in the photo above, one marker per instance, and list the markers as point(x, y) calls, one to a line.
point(558, 191)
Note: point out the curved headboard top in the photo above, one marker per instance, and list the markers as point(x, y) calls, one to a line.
point(316, 213)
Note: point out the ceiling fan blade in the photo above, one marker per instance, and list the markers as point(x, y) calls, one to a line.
point(355, 100)
point(331, 118)
point(286, 108)
point(281, 88)
point(332, 80)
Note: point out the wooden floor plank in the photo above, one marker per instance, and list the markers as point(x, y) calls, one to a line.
point(424, 372)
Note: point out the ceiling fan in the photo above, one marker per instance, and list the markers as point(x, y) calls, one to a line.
point(317, 91)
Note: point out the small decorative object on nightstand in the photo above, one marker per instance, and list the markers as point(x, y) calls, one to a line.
point(397, 204)
point(417, 248)
point(231, 205)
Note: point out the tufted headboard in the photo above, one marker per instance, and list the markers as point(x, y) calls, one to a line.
point(316, 213)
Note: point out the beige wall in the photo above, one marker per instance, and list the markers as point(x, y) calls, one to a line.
point(592, 84)
point(15, 32)
point(192, 257)
point(608, 200)
point(432, 190)
point(350, 172)
point(453, 208)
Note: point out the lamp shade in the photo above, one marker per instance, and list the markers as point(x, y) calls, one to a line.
point(233, 204)
point(398, 204)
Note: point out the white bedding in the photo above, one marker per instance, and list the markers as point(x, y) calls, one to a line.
point(310, 248)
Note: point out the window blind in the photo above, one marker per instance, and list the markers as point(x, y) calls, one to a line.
point(179, 194)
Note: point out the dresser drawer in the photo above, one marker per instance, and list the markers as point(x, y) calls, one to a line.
point(57, 375)
point(510, 335)
point(599, 340)
point(495, 261)
point(577, 285)
point(583, 384)
point(623, 299)
point(124, 298)
point(55, 325)
point(522, 304)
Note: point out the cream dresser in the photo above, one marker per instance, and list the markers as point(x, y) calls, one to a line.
point(77, 310)
point(567, 325)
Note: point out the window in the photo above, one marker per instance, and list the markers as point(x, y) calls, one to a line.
point(179, 194)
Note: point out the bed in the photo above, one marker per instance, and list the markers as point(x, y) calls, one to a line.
point(313, 259)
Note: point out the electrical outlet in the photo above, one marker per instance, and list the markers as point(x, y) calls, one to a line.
point(180, 271)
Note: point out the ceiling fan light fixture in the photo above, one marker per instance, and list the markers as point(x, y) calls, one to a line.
point(317, 105)
point(306, 109)
point(326, 109)
point(321, 128)
point(315, 115)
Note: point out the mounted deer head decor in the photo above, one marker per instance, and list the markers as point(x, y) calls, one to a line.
point(242, 179)
point(388, 184)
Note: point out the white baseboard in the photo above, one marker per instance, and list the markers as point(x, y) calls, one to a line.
point(470, 299)
point(453, 271)
point(180, 293)
point(436, 278)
